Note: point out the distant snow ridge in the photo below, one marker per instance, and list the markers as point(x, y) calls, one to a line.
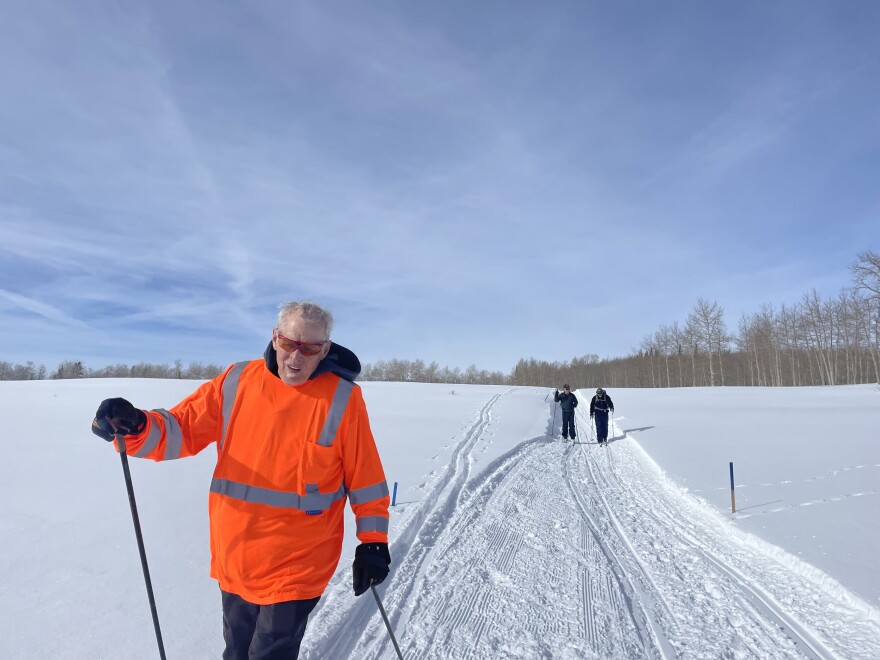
point(578, 551)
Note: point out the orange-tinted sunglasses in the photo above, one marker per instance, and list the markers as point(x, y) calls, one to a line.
point(291, 345)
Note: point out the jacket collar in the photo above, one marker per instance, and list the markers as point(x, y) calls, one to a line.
point(339, 361)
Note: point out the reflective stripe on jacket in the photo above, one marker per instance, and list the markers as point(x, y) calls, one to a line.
point(287, 459)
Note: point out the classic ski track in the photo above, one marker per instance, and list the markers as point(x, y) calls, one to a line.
point(473, 498)
point(435, 523)
point(760, 600)
point(754, 600)
point(639, 597)
point(467, 514)
point(507, 488)
point(416, 546)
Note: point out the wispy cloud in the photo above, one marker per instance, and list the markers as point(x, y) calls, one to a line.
point(53, 314)
point(454, 181)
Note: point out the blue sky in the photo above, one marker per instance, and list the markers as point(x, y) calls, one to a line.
point(461, 182)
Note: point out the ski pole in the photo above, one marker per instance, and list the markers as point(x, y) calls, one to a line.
point(385, 619)
point(553, 423)
point(120, 441)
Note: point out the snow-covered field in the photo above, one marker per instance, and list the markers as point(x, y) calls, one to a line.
point(506, 542)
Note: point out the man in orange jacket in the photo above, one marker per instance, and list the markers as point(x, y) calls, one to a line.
point(293, 440)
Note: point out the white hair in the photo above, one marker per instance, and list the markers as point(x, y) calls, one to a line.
point(308, 311)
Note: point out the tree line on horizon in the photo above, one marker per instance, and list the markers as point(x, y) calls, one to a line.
point(76, 369)
point(812, 342)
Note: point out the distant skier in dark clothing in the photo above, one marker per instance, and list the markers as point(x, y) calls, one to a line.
point(600, 406)
point(568, 402)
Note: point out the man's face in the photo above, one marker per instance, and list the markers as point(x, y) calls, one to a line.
point(566, 390)
point(295, 368)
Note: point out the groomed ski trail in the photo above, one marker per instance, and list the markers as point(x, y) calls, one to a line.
point(570, 551)
point(412, 552)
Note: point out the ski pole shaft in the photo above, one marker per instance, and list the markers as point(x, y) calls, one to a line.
point(385, 619)
point(120, 442)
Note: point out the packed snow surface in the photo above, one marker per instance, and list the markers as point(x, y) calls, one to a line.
point(507, 542)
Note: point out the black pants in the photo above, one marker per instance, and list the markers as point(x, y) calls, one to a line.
point(601, 425)
point(568, 424)
point(264, 632)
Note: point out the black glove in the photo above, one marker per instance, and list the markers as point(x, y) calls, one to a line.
point(591, 415)
point(370, 566)
point(117, 416)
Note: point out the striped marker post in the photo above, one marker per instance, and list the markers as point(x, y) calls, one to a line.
point(394, 495)
point(732, 495)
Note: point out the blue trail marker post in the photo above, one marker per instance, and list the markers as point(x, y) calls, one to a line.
point(394, 495)
point(732, 496)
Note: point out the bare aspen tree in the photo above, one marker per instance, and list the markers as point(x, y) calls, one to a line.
point(748, 345)
point(693, 344)
point(706, 322)
point(647, 350)
point(866, 273)
point(679, 339)
point(775, 340)
point(820, 329)
point(789, 323)
point(866, 280)
point(431, 372)
point(664, 339)
point(417, 371)
point(866, 317)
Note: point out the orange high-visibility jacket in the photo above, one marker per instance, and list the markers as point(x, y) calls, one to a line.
point(286, 459)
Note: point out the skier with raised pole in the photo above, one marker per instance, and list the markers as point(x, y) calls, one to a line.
point(600, 405)
point(568, 402)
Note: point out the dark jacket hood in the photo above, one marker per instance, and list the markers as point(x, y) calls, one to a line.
point(339, 361)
